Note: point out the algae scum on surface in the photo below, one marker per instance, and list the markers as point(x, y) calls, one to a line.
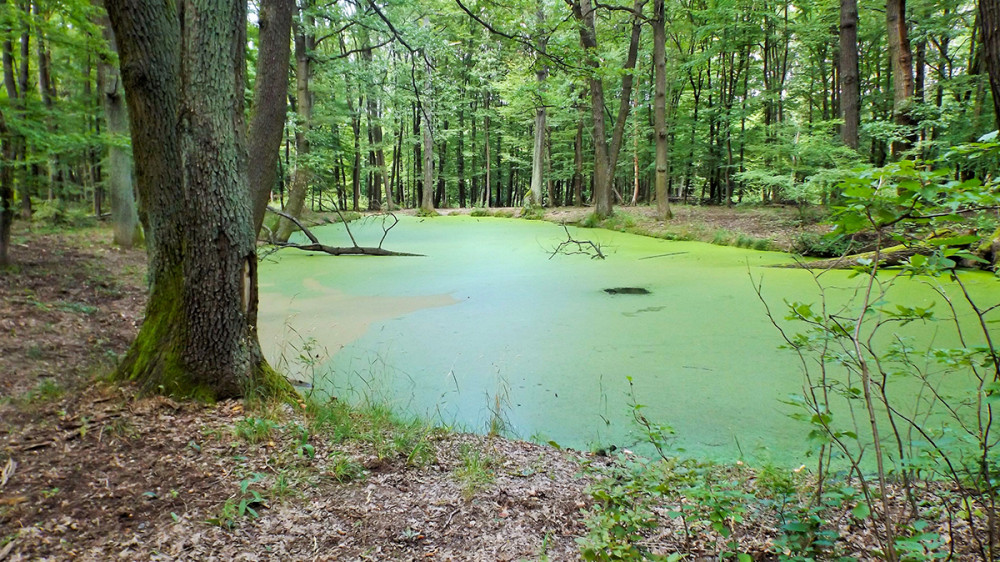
point(488, 331)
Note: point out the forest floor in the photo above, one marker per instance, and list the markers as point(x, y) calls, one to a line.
point(779, 225)
point(91, 471)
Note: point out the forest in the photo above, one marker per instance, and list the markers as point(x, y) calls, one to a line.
point(761, 326)
point(493, 104)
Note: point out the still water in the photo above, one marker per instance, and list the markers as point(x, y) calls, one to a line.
point(489, 326)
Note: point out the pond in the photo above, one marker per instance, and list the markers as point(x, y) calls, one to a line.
point(489, 329)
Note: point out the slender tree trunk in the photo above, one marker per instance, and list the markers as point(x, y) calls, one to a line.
point(486, 133)
point(605, 155)
point(660, 111)
point(185, 94)
point(124, 215)
point(427, 201)
point(304, 44)
point(28, 177)
point(850, 92)
point(6, 191)
point(578, 164)
point(47, 93)
point(541, 73)
point(901, 58)
point(270, 102)
point(13, 144)
point(440, 194)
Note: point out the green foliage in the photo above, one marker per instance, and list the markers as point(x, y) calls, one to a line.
point(243, 505)
point(476, 470)
point(821, 245)
point(254, 430)
point(533, 213)
point(344, 469)
point(852, 367)
point(621, 514)
point(620, 221)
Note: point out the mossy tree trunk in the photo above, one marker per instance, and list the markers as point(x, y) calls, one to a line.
point(182, 67)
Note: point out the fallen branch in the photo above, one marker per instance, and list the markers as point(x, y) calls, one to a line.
point(355, 250)
point(585, 247)
point(887, 257)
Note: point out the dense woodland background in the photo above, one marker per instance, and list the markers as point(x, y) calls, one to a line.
point(756, 95)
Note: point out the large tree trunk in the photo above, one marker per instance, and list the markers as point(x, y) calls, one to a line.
point(188, 138)
point(303, 106)
point(901, 59)
point(270, 101)
point(124, 217)
point(660, 111)
point(850, 92)
point(989, 23)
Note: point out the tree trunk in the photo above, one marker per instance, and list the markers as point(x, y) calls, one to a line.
point(12, 146)
point(124, 217)
point(486, 133)
point(578, 164)
point(440, 194)
point(660, 111)
point(184, 85)
point(605, 156)
point(46, 92)
point(541, 73)
point(902, 68)
point(270, 102)
point(989, 24)
point(6, 191)
point(304, 43)
point(427, 199)
point(850, 92)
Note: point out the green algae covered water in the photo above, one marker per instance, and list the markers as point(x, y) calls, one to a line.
point(489, 328)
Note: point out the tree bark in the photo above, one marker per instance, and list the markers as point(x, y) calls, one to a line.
point(427, 196)
point(660, 111)
point(541, 73)
point(989, 24)
point(605, 155)
point(270, 102)
point(901, 59)
point(850, 92)
point(304, 43)
point(124, 216)
point(183, 76)
point(578, 163)
point(6, 191)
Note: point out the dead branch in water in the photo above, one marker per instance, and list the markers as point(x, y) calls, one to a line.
point(355, 250)
point(570, 247)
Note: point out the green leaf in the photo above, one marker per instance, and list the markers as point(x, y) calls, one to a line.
point(861, 511)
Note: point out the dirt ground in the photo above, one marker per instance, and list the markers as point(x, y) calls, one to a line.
point(90, 471)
